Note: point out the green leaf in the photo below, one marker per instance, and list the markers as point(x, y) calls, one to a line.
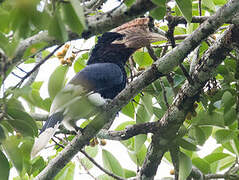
point(38, 164)
point(214, 157)
point(33, 49)
point(232, 146)
point(204, 118)
point(23, 118)
point(57, 28)
point(139, 141)
point(129, 109)
point(202, 165)
point(158, 112)
point(220, 2)
point(29, 61)
point(154, 88)
point(22, 127)
point(228, 100)
point(40, 20)
point(3, 42)
point(143, 59)
point(26, 147)
point(185, 166)
point(123, 125)
point(129, 173)
point(111, 163)
point(226, 162)
point(185, 6)
point(10, 146)
point(67, 173)
point(104, 177)
point(209, 4)
point(4, 166)
point(37, 85)
point(86, 163)
point(230, 116)
point(2, 134)
point(129, 3)
point(91, 151)
point(178, 79)
point(15, 103)
point(199, 135)
point(79, 11)
point(158, 13)
point(186, 144)
point(19, 23)
point(80, 63)
point(159, 2)
point(138, 158)
point(4, 20)
point(71, 19)
point(145, 109)
point(225, 135)
point(57, 80)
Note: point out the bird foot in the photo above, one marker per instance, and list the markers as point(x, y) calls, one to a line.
point(79, 131)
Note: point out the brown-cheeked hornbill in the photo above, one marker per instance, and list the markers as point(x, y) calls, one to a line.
point(103, 77)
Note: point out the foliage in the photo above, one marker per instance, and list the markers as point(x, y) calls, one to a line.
point(215, 115)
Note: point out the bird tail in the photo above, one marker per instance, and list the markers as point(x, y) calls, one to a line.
point(46, 133)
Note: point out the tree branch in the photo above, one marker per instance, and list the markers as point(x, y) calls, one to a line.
point(171, 121)
point(37, 66)
point(101, 168)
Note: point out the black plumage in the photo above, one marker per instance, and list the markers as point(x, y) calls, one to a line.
point(103, 78)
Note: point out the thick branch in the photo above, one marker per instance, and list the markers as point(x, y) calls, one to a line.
point(171, 121)
point(129, 131)
point(200, 19)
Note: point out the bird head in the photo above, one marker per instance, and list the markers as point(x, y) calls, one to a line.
point(120, 43)
point(137, 33)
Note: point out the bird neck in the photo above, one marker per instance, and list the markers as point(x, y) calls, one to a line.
point(115, 53)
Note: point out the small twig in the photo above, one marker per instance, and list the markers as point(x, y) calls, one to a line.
point(162, 45)
point(60, 145)
point(21, 69)
point(80, 50)
point(171, 82)
point(221, 176)
point(170, 36)
point(14, 74)
point(200, 7)
point(164, 93)
point(33, 55)
point(133, 71)
point(174, 153)
point(37, 66)
point(3, 62)
point(33, 76)
point(85, 168)
point(164, 51)
point(151, 52)
point(101, 168)
point(60, 139)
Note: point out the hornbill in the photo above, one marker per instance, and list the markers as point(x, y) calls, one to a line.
point(103, 78)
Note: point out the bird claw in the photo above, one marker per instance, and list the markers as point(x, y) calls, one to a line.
point(107, 101)
point(79, 131)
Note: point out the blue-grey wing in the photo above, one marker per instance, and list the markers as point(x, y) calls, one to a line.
point(108, 79)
